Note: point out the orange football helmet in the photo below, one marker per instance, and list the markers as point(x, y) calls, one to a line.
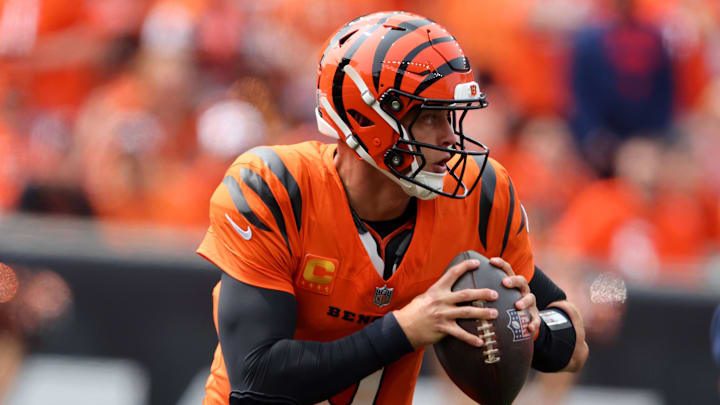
point(382, 66)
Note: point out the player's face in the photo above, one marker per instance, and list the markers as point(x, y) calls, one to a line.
point(432, 127)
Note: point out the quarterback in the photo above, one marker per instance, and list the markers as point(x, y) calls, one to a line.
point(333, 256)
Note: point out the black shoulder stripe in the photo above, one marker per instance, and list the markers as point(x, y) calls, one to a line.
point(388, 40)
point(411, 56)
point(241, 203)
point(438, 74)
point(339, 76)
point(276, 165)
point(260, 187)
point(511, 211)
point(522, 223)
point(487, 195)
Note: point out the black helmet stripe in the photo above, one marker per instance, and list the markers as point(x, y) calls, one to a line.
point(438, 74)
point(344, 30)
point(411, 56)
point(339, 76)
point(388, 40)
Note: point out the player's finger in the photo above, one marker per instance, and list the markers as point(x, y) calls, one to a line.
point(449, 278)
point(472, 312)
point(534, 324)
point(527, 301)
point(519, 282)
point(471, 294)
point(503, 265)
point(465, 336)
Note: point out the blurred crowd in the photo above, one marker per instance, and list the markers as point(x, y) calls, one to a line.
point(605, 112)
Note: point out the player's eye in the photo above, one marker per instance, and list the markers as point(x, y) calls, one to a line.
point(432, 118)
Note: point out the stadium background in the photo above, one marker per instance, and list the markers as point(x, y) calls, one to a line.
point(119, 117)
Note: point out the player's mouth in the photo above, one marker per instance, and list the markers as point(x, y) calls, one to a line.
point(440, 167)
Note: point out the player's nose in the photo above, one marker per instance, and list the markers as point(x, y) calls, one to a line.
point(446, 136)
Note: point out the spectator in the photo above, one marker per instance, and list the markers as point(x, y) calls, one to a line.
point(653, 220)
point(622, 85)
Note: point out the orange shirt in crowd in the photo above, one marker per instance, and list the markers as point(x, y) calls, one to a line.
point(610, 218)
point(51, 51)
point(9, 169)
point(546, 190)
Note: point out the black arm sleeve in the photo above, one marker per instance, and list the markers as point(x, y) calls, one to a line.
point(266, 366)
point(555, 342)
point(546, 292)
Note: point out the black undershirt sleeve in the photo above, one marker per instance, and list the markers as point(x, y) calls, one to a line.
point(545, 290)
point(266, 365)
point(555, 342)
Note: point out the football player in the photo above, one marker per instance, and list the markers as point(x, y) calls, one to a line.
point(333, 255)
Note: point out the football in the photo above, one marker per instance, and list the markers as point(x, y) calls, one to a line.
point(494, 373)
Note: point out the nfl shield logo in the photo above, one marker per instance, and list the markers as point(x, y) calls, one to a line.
point(382, 296)
point(518, 322)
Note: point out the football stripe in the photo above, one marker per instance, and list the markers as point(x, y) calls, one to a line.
point(411, 55)
point(438, 74)
point(339, 76)
point(511, 211)
point(388, 40)
point(260, 187)
point(487, 195)
point(276, 165)
point(241, 203)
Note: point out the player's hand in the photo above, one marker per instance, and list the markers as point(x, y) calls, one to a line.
point(432, 315)
point(527, 302)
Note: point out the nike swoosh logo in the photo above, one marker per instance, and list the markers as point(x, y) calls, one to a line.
point(246, 234)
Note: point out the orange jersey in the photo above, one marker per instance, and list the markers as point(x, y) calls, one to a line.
point(281, 220)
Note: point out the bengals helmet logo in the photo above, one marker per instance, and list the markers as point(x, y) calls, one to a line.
point(473, 90)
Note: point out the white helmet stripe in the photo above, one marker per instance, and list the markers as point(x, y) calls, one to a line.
point(324, 127)
point(370, 100)
point(433, 180)
point(335, 117)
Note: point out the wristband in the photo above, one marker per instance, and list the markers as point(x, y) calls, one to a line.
point(555, 343)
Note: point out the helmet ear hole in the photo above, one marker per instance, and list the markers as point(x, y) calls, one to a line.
point(362, 120)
